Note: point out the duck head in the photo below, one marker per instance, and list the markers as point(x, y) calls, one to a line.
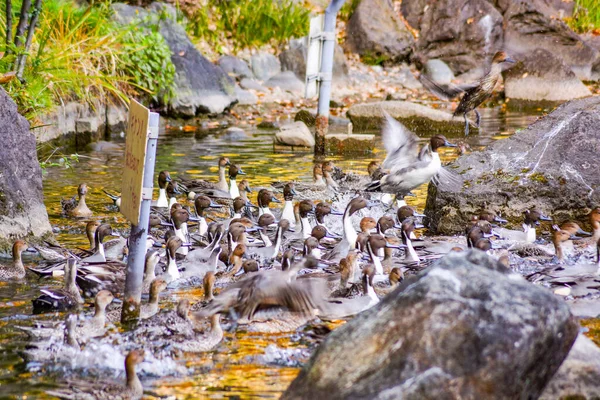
point(265, 197)
point(358, 203)
point(19, 246)
point(173, 244)
point(367, 224)
point(223, 162)
point(439, 141)
point(491, 217)
point(372, 168)
point(172, 190)
point(319, 232)
point(396, 276)
point(368, 277)
point(483, 244)
point(287, 259)
point(408, 226)
point(250, 266)
point(318, 173)
point(266, 220)
point(558, 238)
point(573, 228)
point(163, 178)
point(179, 217)
point(82, 190)
point(305, 207)
point(103, 299)
point(208, 282)
point(238, 205)
point(501, 57)
point(234, 171)
point(201, 203)
point(405, 212)
point(533, 217)
point(284, 225)
point(157, 286)
point(289, 191)
point(385, 222)
point(377, 242)
point(244, 186)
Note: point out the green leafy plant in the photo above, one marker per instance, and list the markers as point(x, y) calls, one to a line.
point(586, 16)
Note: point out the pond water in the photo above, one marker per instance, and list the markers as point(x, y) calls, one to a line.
point(245, 365)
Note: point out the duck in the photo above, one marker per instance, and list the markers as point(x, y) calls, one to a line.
point(268, 253)
point(116, 199)
point(340, 308)
point(475, 93)
point(180, 217)
point(148, 309)
point(264, 198)
point(288, 206)
point(96, 325)
point(234, 171)
point(349, 239)
point(14, 270)
point(595, 222)
point(559, 239)
point(77, 209)
point(324, 209)
point(151, 260)
point(204, 342)
point(407, 168)
point(101, 233)
point(194, 186)
point(202, 203)
point(244, 188)
point(172, 192)
point(305, 208)
point(164, 178)
point(532, 218)
point(133, 389)
point(377, 242)
point(66, 298)
point(328, 168)
point(172, 273)
point(264, 221)
point(407, 227)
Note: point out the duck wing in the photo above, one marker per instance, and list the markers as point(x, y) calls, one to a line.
point(399, 142)
point(446, 177)
point(445, 92)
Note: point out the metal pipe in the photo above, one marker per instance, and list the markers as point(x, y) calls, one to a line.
point(327, 53)
point(139, 234)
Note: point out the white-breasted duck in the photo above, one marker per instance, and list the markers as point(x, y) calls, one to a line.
point(234, 171)
point(289, 192)
point(202, 203)
point(200, 186)
point(408, 168)
point(264, 198)
point(164, 178)
point(532, 219)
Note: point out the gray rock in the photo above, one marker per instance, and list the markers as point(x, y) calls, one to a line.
point(552, 165)
point(22, 210)
point(200, 86)
point(459, 38)
point(416, 117)
point(116, 118)
point(541, 76)
point(310, 118)
point(579, 374)
point(234, 133)
point(406, 78)
point(251, 84)
point(532, 24)
point(376, 33)
point(295, 134)
point(294, 59)
point(439, 71)
point(245, 97)
point(264, 65)
point(287, 81)
point(235, 67)
point(466, 327)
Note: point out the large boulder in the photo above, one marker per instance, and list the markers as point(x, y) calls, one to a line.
point(22, 210)
point(295, 134)
point(541, 76)
point(579, 375)
point(465, 328)
point(418, 118)
point(200, 86)
point(235, 67)
point(294, 59)
point(459, 32)
point(552, 165)
point(531, 24)
point(377, 33)
point(264, 65)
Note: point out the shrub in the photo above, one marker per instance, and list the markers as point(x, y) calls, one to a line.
point(586, 16)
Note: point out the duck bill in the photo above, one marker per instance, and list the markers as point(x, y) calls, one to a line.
point(574, 237)
point(417, 214)
point(336, 212)
point(275, 200)
point(410, 194)
point(214, 205)
point(248, 204)
point(240, 172)
point(168, 178)
point(500, 220)
point(331, 236)
point(395, 246)
point(582, 232)
point(545, 218)
point(193, 219)
point(448, 144)
point(187, 244)
point(32, 250)
point(248, 189)
point(254, 229)
point(163, 223)
point(510, 60)
point(372, 203)
point(419, 226)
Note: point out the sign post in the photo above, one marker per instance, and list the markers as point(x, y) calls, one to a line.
point(136, 197)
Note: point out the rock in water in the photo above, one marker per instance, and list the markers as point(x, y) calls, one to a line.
point(540, 75)
point(376, 33)
point(22, 210)
point(552, 165)
point(465, 328)
point(418, 118)
point(295, 134)
point(579, 375)
point(200, 86)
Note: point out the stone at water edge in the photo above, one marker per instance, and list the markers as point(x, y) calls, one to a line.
point(251, 84)
point(245, 97)
point(286, 81)
point(579, 375)
point(466, 327)
point(22, 210)
point(552, 165)
point(295, 134)
point(541, 76)
point(416, 117)
point(376, 33)
point(439, 71)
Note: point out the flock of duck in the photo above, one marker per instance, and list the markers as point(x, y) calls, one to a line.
point(335, 248)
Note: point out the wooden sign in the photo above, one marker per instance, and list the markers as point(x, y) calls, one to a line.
point(135, 160)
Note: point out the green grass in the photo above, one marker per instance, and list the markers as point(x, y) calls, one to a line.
point(78, 54)
point(247, 23)
point(586, 16)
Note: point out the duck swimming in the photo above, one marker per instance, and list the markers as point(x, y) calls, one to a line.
point(164, 178)
point(409, 169)
point(60, 299)
point(77, 209)
point(15, 269)
point(264, 199)
point(194, 186)
point(234, 171)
